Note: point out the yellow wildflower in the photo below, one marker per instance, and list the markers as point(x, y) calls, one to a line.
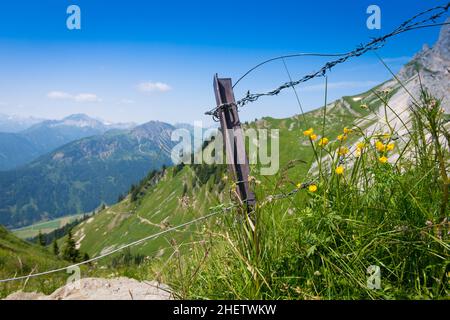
point(342, 151)
point(313, 137)
point(347, 130)
point(358, 152)
point(312, 188)
point(383, 159)
point(360, 145)
point(390, 146)
point(339, 170)
point(342, 137)
point(323, 142)
point(380, 146)
point(308, 132)
point(253, 179)
point(299, 185)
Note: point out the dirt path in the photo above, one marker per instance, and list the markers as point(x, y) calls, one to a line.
point(144, 220)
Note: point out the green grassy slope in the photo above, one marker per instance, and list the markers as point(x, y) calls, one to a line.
point(18, 258)
point(159, 208)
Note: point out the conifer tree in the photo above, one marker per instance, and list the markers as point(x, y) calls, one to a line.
point(55, 248)
point(41, 240)
point(70, 252)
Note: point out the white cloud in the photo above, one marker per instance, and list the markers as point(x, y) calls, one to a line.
point(87, 97)
point(154, 87)
point(127, 101)
point(81, 97)
point(341, 85)
point(58, 95)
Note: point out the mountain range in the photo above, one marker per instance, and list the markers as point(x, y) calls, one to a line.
point(19, 148)
point(79, 176)
point(16, 123)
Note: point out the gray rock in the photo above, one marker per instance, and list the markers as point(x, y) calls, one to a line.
point(102, 289)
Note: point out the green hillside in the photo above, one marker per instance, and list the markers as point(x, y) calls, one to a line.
point(18, 258)
point(159, 207)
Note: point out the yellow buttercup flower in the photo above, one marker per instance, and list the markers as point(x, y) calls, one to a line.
point(380, 146)
point(299, 185)
point(347, 130)
point(312, 188)
point(390, 146)
point(339, 170)
point(323, 142)
point(383, 159)
point(361, 145)
point(308, 132)
point(313, 137)
point(342, 151)
point(342, 137)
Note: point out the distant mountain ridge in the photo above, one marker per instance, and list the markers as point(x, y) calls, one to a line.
point(19, 148)
point(15, 123)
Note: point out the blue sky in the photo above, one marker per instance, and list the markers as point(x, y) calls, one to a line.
point(153, 60)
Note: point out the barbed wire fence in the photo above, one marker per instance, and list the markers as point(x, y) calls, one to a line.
point(414, 23)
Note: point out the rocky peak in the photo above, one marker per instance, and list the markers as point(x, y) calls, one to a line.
point(433, 64)
point(435, 59)
point(442, 46)
point(153, 130)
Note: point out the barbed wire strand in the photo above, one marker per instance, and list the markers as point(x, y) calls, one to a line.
point(295, 91)
point(295, 55)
